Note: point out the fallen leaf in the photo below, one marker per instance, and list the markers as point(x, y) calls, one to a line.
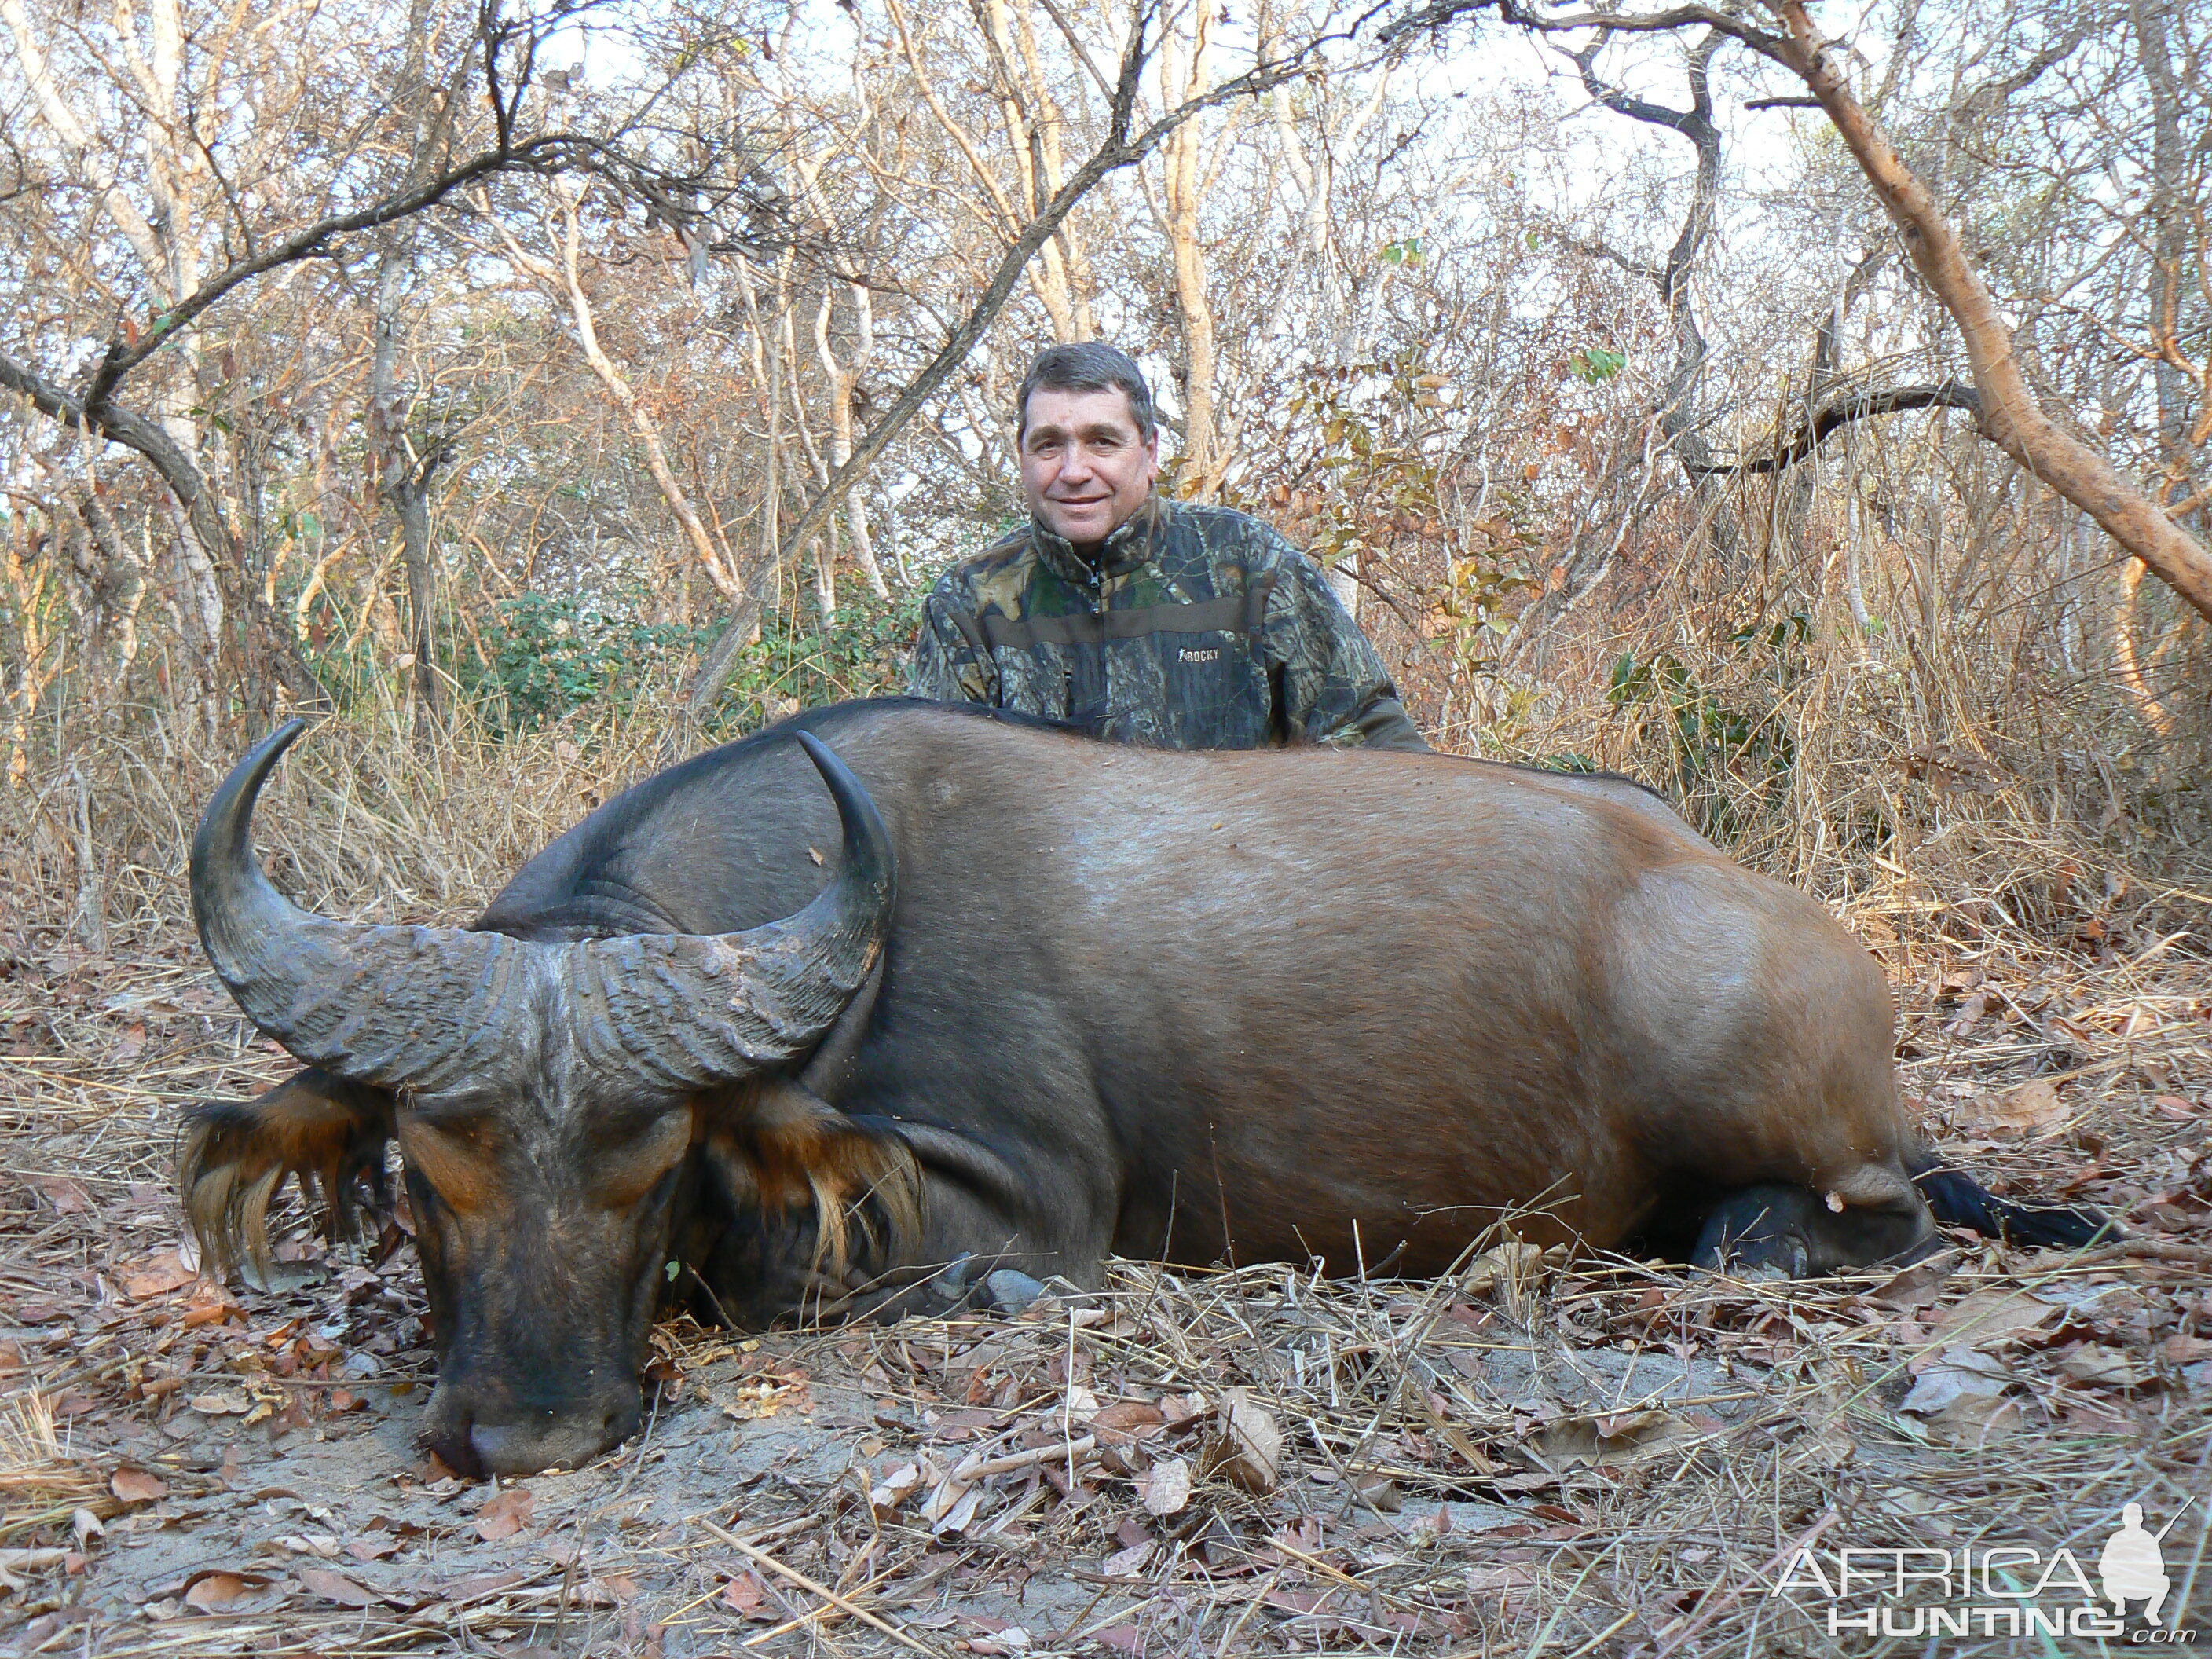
point(895, 1488)
point(745, 1594)
point(218, 1588)
point(2034, 1109)
point(1126, 1420)
point(373, 1549)
point(157, 1275)
point(1990, 1319)
point(1126, 1563)
point(2104, 1368)
point(1512, 1267)
point(68, 1196)
point(1379, 1492)
point(1165, 1488)
point(1081, 1404)
point(1959, 1374)
point(1176, 1408)
point(1246, 1447)
point(506, 1515)
point(956, 1515)
point(1614, 1437)
point(137, 1485)
point(335, 1587)
point(1914, 1286)
point(221, 1404)
point(481, 1587)
point(2173, 1107)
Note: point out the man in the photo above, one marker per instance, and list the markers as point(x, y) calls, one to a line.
point(1139, 618)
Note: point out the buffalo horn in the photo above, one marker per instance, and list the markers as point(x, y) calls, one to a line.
point(433, 1008)
point(691, 1010)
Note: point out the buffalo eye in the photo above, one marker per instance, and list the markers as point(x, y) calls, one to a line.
point(452, 1159)
point(627, 1170)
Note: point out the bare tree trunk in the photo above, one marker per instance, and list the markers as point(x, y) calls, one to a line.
point(1180, 159)
point(1678, 401)
point(844, 391)
point(2169, 244)
point(566, 281)
point(409, 491)
point(1048, 276)
point(2129, 669)
point(405, 483)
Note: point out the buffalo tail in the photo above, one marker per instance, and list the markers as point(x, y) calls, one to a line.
point(1960, 1201)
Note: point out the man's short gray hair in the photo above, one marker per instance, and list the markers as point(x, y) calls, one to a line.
point(1093, 366)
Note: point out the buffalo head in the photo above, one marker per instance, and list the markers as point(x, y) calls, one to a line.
point(552, 1099)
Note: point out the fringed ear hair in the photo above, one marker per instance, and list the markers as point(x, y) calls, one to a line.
point(235, 1155)
point(802, 1151)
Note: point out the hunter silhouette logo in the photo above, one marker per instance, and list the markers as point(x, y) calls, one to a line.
point(1994, 1589)
point(2133, 1567)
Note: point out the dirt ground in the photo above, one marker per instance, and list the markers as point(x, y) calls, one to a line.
point(1576, 1458)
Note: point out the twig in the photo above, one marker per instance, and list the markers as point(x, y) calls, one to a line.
point(2147, 1250)
point(812, 1589)
point(968, 1473)
point(1710, 1607)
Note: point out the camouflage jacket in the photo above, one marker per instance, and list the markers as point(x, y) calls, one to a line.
point(1198, 628)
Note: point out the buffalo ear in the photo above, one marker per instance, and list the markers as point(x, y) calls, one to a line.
point(329, 1132)
point(787, 1150)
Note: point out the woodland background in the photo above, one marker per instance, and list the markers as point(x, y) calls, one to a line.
point(484, 361)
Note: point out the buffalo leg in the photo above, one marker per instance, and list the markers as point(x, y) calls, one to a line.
point(982, 1234)
point(1794, 1230)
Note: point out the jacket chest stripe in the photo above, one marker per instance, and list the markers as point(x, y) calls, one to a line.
point(1236, 613)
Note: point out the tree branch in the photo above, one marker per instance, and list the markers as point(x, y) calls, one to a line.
point(119, 425)
point(202, 509)
point(1859, 406)
point(549, 153)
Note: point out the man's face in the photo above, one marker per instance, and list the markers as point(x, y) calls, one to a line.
point(1084, 467)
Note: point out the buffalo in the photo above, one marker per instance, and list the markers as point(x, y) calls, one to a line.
point(891, 985)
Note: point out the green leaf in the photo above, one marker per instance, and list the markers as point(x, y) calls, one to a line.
point(1595, 364)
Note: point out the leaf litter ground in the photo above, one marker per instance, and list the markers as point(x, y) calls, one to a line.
point(1579, 1458)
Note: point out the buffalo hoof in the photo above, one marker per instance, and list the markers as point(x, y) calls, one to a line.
point(1011, 1292)
point(948, 1290)
point(1759, 1230)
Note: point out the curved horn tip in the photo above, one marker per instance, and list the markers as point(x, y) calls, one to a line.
point(864, 824)
point(240, 787)
point(819, 752)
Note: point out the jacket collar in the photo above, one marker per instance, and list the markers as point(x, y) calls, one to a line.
point(1129, 545)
